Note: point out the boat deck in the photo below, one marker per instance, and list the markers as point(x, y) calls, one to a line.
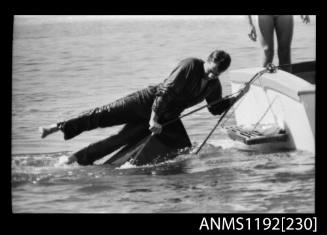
point(255, 137)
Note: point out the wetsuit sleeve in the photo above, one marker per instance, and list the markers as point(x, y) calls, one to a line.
point(222, 105)
point(171, 88)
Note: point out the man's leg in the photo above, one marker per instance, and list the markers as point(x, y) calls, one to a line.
point(122, 111)
point(95, 151)
point(88, 120)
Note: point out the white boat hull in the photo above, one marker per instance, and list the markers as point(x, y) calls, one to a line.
point(286, 100)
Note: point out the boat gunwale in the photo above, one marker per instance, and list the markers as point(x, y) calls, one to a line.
point(274, 84)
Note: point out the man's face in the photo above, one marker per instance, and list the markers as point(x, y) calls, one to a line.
point(213, 70)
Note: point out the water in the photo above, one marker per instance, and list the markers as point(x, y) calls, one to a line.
point(63, 65)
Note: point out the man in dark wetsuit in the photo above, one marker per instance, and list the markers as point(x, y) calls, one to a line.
point(192, 81)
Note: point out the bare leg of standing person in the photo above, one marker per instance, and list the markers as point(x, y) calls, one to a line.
point(284, 31)
point(266, 28)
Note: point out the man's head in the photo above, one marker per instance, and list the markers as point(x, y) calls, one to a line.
point(218, 61)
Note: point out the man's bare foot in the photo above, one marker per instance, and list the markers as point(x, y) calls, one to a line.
point(45, 131)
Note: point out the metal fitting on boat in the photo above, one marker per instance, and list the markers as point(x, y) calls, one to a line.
point(271, 68)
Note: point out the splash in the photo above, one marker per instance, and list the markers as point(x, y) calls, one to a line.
point(39, 168)
point(62, 161)
point(127, 165)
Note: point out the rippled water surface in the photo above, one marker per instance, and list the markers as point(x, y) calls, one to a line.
point(64, 65)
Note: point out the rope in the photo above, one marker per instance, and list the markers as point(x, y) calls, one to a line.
point(270, 105)
point(238, 104)
point(273, 69)
point(268, 100)
point(211, 132)
point(260, 119)
point(198, 109)
point(266, 111)
point(270, 68)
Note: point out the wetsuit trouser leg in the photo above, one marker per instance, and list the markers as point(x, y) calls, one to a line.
point(130, 132)
point(129, 109)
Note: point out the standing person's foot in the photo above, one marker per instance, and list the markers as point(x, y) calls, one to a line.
point(45, 131)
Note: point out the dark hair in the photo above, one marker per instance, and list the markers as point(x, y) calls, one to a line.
point(222, 58)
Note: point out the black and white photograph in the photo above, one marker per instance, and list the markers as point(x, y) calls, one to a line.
point(163, 114)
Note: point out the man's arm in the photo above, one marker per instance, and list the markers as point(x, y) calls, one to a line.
point(224, 103)
point(155, 127)
point(167, 92)
point(171, 88)
point(215, 96)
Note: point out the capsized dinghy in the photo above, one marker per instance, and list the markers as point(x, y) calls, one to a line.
point(281, 102)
